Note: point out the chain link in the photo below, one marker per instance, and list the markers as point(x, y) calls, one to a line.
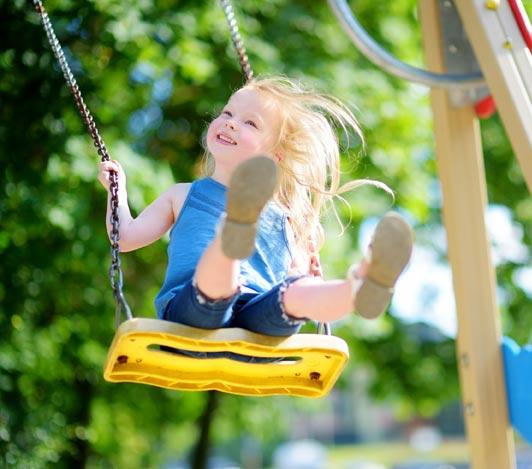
point(237, 40)
point(115, 271)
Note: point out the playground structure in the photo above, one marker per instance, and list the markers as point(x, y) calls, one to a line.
point(498, 36)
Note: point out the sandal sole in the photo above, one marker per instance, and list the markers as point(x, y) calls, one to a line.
point(391, 248)
point(251, 187)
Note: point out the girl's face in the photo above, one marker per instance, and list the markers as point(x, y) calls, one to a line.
point(247, 126)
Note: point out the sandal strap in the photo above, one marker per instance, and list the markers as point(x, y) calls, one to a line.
point(357, 282)
point(380, 285)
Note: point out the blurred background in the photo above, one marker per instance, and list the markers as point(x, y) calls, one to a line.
point(153, 73)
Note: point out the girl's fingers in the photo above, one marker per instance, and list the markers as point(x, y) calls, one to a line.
point(110, 166)
point(105, 170)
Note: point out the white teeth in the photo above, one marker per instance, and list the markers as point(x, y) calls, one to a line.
point(226, 139)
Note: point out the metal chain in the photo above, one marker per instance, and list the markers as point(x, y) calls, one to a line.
point(237, 40)
point(115, 271)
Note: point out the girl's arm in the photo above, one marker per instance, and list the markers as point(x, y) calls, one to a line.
point(154, 220)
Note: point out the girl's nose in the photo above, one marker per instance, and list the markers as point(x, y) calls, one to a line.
point(231, 124)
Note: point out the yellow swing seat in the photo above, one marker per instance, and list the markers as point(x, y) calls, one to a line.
point(306, 365)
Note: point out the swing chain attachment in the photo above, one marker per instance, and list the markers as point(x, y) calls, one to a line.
point(115, 270)
point(237, 39)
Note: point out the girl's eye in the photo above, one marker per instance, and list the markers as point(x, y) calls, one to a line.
point(227, 113)
point(251, 123)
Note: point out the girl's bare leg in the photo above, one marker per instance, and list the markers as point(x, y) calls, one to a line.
point(320, 300)
point(250, 187)
point(216, 274)
point(369, 287)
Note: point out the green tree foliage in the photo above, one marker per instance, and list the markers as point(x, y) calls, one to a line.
point(153, 73)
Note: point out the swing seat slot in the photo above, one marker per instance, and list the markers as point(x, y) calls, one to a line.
point(304, 365)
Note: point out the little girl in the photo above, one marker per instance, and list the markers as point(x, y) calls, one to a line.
point(244, 241)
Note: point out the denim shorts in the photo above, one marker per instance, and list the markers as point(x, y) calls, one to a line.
point(262, 313)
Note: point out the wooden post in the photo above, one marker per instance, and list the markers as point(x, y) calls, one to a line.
point(461, 172)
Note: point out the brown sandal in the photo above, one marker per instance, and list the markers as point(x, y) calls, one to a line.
point(250, 188)
point(390, 251)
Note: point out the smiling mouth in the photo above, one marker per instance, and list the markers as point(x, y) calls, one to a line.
point(225, 140)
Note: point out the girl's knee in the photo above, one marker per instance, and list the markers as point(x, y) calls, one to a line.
point(298, 285)
point(288, 290)
point(205, 299)
point(193, 308)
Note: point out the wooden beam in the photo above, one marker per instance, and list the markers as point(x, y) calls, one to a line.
point(461, 172)
point(506, 64)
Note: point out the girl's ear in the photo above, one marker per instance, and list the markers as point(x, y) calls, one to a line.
point(278, 156)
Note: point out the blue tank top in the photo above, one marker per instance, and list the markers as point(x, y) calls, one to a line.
point(195, 228)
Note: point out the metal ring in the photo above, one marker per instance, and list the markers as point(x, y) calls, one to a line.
point(383, 59)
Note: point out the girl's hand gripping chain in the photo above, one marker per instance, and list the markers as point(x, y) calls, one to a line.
point(104, 174)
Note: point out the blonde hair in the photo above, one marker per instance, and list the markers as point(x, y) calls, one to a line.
point(310, 154)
